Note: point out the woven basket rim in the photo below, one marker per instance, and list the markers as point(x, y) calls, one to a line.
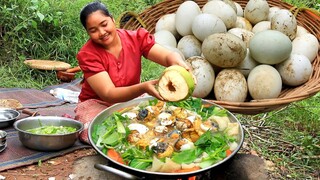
point(47, 64)
point(305, 18)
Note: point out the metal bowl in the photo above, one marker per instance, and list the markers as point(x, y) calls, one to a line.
point(8, 116)
point(47, 142)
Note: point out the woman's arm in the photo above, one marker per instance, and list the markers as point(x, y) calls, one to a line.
point(166, 57)
point(106, 90)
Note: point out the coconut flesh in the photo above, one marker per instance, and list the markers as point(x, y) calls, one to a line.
point(176, 84)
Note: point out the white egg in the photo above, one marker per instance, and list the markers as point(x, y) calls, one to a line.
point(306, 44)
point(224, 49)
point(231, 4)
point(284, 21)
point(175, 50)
point(204, 74)
point(301, 31)
point(165, 37)
point(224, 11)
point(272, 11)
point(256, 11)
point(264, 82)
point(270, 47)
point(167, 22)
point(189, 46)
point(247, 64)
point(243, 23)
point(243, 34)
point(230, 85)
point(185, 14)
point(239, 9)
point(261, 26)
point(205, 24)
point(296, 70)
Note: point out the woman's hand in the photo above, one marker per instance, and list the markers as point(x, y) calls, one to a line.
point(150, 88)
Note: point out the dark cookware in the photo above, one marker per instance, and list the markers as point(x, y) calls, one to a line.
point(133, 173)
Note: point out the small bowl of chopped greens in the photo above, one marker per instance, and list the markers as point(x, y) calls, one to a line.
point(48, 133)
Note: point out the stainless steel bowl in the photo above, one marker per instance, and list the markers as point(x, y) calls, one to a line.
point(47, 142)
point(8, 116)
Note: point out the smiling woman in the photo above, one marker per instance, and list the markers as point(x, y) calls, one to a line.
point(111, 62)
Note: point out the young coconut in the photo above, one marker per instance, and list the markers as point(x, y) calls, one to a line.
point(176, 83)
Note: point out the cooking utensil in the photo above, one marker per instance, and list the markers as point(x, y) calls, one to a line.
point(69, 74)
point(132, 173)
point(8, 117)
point(47, 142)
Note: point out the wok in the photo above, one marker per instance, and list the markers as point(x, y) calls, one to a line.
point(128, 172)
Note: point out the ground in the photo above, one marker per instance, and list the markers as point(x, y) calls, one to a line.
point(77, 165)
point(58, 167)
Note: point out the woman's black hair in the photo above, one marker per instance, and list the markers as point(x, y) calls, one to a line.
point(90, 8)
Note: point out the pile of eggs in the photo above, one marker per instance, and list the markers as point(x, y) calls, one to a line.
point(239, 53)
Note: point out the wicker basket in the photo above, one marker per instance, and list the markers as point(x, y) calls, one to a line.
point(305, 18)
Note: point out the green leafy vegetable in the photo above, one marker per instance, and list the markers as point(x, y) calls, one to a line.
point(52, 130)
point(187, 156)
point(140, 163)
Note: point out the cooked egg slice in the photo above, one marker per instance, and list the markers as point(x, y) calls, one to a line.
point(149, 108)
point(153, 142)
point(142, 129)
point(165, 119)
point(188, 145)
point(130, 115)
point(191, 118)
point(161, 129)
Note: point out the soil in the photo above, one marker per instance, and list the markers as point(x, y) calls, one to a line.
point(59, 168)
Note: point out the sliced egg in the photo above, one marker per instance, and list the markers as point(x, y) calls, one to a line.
point(142, 129)
point(191, 118)
point(188, 145)
point(153, 142)
point(164, 119)
point(161, 129)
point(149, 108)
point(130, 115)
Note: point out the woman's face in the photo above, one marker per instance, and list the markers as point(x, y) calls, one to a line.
point(101, 28)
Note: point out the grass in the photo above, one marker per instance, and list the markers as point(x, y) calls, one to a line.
point(288, 139)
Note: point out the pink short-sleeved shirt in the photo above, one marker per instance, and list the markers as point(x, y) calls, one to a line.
point(123, 71)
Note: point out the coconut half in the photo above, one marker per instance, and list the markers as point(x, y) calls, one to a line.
point(176, 84)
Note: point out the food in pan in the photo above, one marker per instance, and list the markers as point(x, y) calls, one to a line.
point(168, 137)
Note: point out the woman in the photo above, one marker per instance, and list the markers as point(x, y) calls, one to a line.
point(111, 63)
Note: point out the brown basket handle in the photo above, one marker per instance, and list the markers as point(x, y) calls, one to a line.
point(312, 12)
point(126, 16)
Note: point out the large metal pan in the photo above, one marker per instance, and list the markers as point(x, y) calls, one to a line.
point(132, 173)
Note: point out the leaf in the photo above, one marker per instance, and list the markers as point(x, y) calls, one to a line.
point(40, 16)
point(187, 156)
point(112, 140)
point(34, 24)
